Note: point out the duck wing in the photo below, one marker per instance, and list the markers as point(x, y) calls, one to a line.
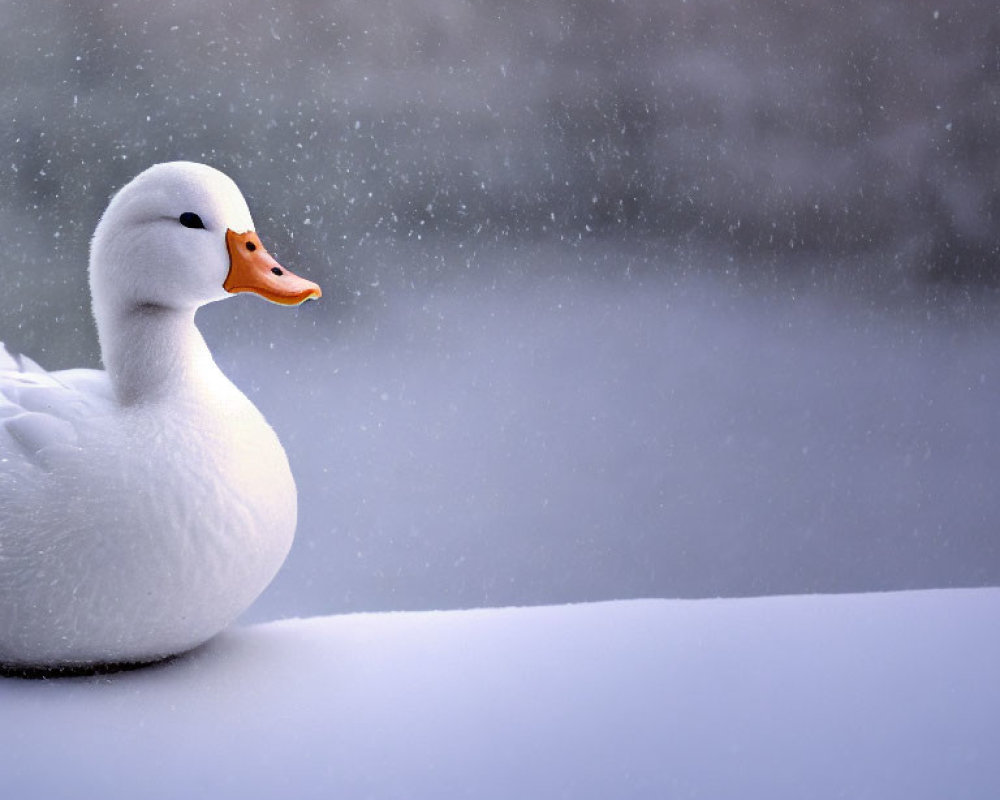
point(41, 412)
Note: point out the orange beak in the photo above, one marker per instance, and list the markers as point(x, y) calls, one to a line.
point(252, 269)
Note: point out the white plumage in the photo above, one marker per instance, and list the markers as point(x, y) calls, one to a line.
point(144, 507)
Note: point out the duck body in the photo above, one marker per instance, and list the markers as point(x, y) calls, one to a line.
point(141, 532)
point(142, 508)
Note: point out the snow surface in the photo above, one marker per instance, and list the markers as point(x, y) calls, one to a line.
point(881, 696)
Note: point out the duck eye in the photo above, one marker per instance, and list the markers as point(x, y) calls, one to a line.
point(191, 220)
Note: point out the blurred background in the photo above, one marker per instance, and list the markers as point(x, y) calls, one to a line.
point(622, 298)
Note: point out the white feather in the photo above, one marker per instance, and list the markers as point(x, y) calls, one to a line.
point(142, 508)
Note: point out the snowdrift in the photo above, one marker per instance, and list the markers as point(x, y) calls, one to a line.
point(884, 695)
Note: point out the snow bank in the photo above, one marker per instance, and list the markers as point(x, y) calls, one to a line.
point(892, 695)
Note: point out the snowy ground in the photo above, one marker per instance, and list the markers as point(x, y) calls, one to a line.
point(593, 423)
point(860, 696)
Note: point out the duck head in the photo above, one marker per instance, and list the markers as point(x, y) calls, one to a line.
point(178, 236)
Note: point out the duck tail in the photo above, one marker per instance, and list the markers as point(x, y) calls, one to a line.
point(15, 362)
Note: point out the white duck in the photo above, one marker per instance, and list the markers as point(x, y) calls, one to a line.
point(143, 508)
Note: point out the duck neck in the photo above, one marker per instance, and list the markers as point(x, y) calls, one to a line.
point(151, 352)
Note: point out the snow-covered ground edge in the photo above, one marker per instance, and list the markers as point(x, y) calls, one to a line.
point(881, 695)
